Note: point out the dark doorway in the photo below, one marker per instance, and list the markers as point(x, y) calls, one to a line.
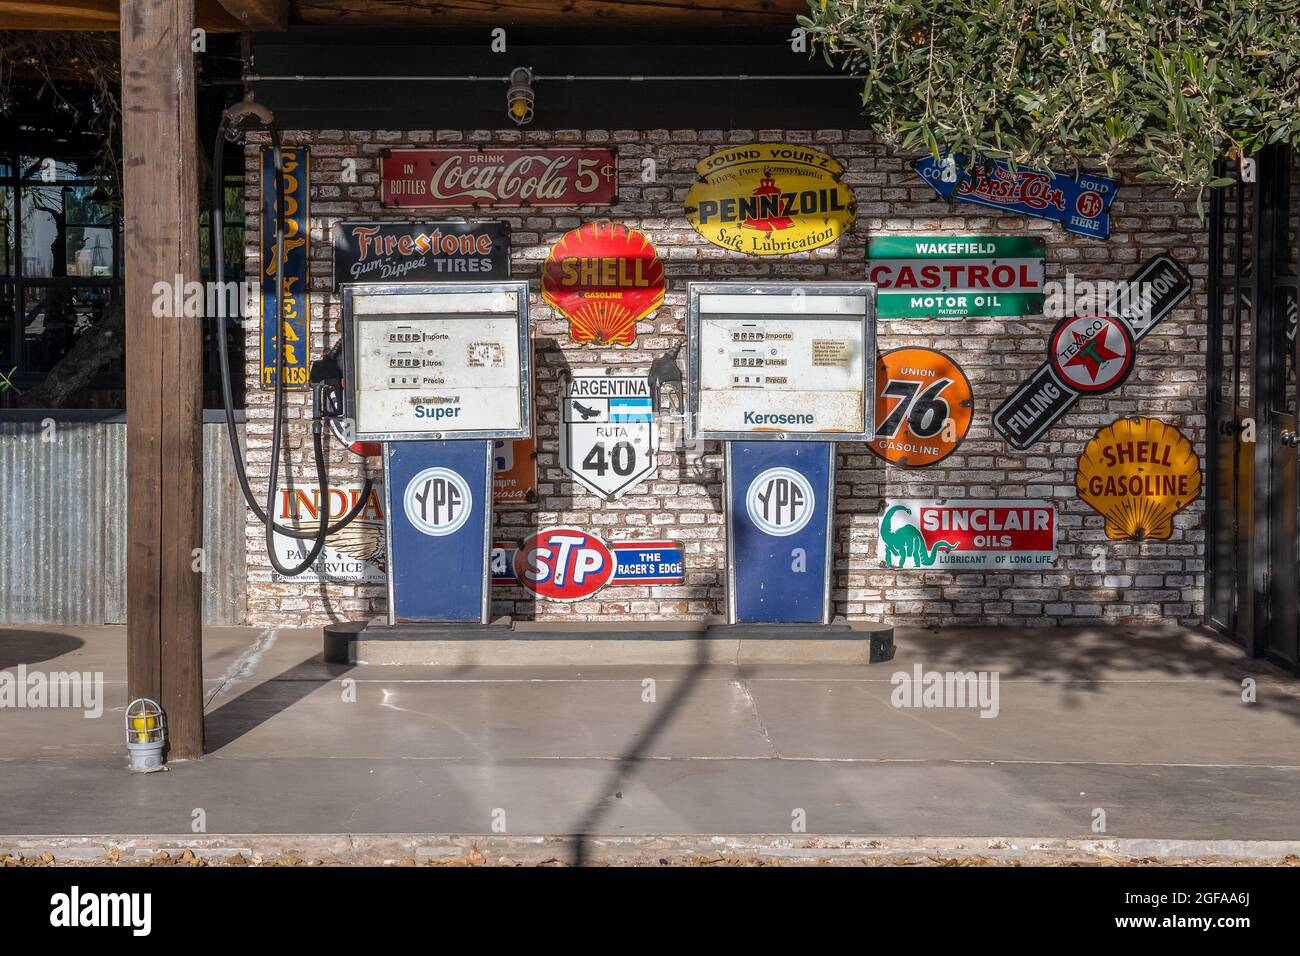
point(1253, 548)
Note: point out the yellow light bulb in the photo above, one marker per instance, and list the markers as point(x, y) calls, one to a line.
point(519, 107)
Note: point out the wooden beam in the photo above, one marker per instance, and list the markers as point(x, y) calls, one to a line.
point(164, 367)
point(96, 15)
point(557, 13)
point(259, 14)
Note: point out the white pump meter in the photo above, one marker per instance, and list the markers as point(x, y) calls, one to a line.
point(782, 361)
point(433, 361)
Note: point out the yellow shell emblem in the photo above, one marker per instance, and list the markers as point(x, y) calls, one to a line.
point(1138, 473)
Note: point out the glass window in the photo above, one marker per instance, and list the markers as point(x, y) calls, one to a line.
point(6, 230)
point(54, 317)
point(65, 233)
point(8, 313)
point(232, 234)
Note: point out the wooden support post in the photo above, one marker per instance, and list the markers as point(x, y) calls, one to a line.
point(164, 367)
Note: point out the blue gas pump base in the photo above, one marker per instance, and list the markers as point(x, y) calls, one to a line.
point(507, 643)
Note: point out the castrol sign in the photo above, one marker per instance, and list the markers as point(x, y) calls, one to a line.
point(968, 533)
point(956, 276)
point(433, 178)
point(564, 564)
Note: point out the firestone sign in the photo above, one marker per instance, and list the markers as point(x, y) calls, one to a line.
point(770, 199)
point(420, 251)
point(956, 276)
point(433, 178)
point(967, 534)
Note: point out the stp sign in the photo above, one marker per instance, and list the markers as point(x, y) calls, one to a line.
point(437, 501)
point(780, 501)
point(564, 564)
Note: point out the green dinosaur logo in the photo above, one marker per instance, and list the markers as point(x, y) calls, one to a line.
point(905, 542)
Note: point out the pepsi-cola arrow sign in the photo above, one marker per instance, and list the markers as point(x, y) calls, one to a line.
point(1081, 205)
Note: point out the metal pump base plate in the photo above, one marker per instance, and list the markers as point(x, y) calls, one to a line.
point(506, 643)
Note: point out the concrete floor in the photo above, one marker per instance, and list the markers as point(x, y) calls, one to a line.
point(1146, 724)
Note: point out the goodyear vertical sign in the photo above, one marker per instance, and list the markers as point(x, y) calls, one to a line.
point(292, 337)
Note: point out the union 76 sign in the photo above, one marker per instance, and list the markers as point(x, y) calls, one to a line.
point(608, 438)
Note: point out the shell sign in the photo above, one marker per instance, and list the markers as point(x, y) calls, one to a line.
point(1138, 473)
point(770, 199)
point(604, 278)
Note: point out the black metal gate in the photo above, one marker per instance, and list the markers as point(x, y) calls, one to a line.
point(1253, 553)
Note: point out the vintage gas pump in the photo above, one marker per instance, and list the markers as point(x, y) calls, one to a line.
point(780, 373)
point(437, 372)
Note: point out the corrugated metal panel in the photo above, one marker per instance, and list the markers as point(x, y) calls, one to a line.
point(63, 527)
point(225, 595)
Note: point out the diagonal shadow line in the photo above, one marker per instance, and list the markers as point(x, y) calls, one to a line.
point(627, 763)
point(259, 703)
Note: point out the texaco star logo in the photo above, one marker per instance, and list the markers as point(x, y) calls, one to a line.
point(1091, 353)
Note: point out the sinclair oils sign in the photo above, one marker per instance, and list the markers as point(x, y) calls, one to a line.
point(956, 276)
point(966, 533)
point(770, 199)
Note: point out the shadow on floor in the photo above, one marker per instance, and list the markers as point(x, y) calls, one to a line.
point(265, 700)
point(1081, 660)
point(18, 646)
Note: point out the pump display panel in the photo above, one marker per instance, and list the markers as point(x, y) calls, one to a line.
point(782, 361)
point(437, 361)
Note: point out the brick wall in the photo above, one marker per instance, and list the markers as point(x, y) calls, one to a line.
point(1146, 581)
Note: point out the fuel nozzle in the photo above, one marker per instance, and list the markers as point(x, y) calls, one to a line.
point(326, 379)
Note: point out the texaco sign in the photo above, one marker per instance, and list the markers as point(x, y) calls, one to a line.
point(1092, 354)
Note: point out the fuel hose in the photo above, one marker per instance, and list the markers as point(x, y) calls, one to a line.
point(232, 119)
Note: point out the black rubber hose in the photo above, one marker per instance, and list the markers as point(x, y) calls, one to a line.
point(322, 476)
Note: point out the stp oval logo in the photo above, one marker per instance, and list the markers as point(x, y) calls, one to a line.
point(564, 564)
point(437, 501)
point(780, 501)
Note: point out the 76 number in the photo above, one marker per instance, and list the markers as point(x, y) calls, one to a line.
point(925, 411)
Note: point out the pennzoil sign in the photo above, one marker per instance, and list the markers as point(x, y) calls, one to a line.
point(770, 199)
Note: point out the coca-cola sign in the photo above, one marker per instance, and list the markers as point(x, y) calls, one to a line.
point(432, 178)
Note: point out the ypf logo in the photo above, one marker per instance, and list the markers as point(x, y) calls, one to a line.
point(564, 564)
point(780, 501)
point(438, 501)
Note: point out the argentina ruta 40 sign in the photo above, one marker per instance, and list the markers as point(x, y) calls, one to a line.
point(608, 437)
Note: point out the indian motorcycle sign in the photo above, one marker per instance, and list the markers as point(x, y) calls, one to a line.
point(355, 553)
point(433, 178)
point(967, 533)
point(770, 199)
point(956, 276)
